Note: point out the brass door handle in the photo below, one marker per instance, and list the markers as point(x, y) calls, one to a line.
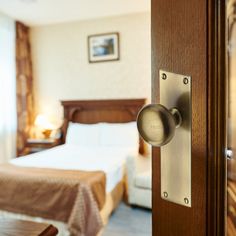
point(168, 125)
point(157, 124)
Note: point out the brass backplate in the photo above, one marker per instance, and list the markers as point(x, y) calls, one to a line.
point(175, 91)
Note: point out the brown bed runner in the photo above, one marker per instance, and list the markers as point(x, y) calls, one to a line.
point(71, 196)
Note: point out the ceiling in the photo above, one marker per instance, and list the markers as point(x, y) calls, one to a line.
point(42, 12)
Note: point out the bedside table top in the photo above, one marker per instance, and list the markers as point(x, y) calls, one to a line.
point(36, 145)
point(11, 227)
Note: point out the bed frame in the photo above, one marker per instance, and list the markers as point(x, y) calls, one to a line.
point(95, 111)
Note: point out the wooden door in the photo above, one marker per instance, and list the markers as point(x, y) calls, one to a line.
point(188, 37)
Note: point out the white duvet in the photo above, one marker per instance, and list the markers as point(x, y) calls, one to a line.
point(71, 157)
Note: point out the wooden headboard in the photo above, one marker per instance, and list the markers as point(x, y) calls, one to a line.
point(95, 111)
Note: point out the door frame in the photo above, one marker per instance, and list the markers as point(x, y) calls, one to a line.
point(217, 115)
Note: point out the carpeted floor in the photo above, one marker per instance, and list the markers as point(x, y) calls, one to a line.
point(127, 221)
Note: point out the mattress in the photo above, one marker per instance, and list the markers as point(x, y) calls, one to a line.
point(110, 160)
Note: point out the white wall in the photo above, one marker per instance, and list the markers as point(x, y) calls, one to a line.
point(62, 71)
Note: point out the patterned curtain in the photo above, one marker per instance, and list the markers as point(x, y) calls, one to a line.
point(24, 85)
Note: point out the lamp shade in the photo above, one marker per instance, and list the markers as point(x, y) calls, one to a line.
point(42, 122)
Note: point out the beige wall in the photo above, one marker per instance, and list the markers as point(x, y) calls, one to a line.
point(62, 71)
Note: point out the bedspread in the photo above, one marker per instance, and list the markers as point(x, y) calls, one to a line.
point(71, 196)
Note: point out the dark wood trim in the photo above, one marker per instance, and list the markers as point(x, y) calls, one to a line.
point(217, 113)
point(50, 231)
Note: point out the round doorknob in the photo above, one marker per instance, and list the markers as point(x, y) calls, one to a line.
point(156, 124)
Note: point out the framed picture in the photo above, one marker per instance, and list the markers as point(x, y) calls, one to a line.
point(103, 47)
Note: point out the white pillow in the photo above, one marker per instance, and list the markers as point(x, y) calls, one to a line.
point(120, 135)
point(83, 134)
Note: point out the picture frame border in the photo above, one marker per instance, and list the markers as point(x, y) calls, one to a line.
point(104, 34)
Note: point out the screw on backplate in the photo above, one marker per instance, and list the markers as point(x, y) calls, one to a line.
point(185, 80)
point(164, 76)
point(165, 194)
point(186, 200)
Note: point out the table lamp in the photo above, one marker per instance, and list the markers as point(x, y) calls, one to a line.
point(44, 125)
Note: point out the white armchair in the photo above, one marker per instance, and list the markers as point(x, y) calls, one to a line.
point(139, 176)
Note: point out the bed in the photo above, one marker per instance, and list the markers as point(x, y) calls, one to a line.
point(76, 185)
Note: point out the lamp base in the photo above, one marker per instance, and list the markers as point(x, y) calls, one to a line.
point(47, 133)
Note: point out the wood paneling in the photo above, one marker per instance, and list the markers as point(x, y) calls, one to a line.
point(95, 111)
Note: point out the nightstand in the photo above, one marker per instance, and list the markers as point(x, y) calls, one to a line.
point(37, 145)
